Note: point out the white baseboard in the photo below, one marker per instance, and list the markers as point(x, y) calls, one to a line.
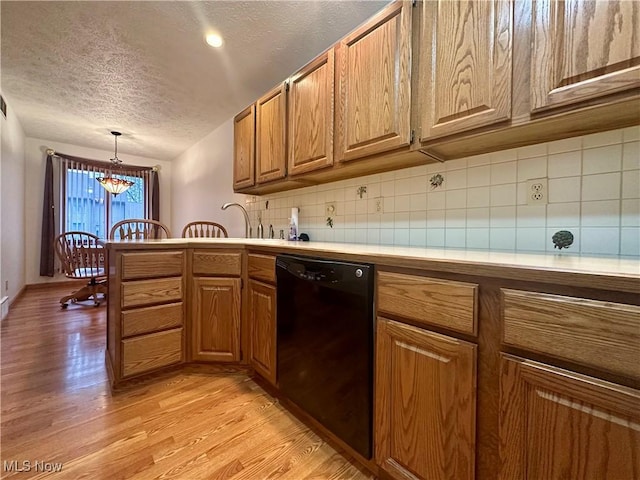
point(4, 303)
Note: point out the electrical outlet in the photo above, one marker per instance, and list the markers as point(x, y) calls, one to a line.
point(330, 209)
point(379, 205)
point(537, 191)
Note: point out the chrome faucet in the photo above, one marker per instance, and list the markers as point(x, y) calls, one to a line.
point(247, 224)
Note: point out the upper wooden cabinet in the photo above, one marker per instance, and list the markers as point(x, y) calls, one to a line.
point(310, 135)
point(465, 57)
point(271, 135)
point(374, 92)
point(583, 50)
point(244, 148)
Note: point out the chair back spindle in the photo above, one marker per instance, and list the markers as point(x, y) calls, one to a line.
point(204, 229)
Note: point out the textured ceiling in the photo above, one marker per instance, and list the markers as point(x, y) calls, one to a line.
point(73, 71)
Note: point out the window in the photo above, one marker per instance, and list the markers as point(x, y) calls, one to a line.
point(88, 207)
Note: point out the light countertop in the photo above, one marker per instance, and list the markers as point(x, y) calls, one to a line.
point(481, 262)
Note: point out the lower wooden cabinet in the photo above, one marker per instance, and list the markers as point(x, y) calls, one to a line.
point(262, 307)
point(425, 403)
point(215, 321)
point(556, 424)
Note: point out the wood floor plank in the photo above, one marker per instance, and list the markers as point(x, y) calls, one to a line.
point(56, 406)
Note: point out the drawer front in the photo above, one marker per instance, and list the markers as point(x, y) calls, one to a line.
point(149, 292)
point(262, 267)
point(430, 301)
point(207, 262)
point(594, 333)
point(152, 264)
point(149, 352)
point(151, 319)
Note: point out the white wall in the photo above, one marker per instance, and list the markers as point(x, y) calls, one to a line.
point(202, 180)
point(12, 205)
point(35, 165)
point(594, 192)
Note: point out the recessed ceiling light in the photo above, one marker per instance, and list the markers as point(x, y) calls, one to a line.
point(214, 40)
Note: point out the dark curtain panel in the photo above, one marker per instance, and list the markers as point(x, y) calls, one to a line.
point(48, 223)
point(155, 197)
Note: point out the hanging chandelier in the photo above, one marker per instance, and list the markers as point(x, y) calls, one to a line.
point(110, 183)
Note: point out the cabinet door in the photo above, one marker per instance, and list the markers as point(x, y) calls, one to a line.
point(373, 105)
point(465, 65)
point(311, 116)
point(555, 424)
point(263, 329)
point(244, 153)
point(425, 403)
point(216, 319)
point(271, 118)
point(583, 50)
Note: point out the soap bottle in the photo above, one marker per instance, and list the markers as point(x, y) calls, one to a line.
point(260, 227)
point(293, 229)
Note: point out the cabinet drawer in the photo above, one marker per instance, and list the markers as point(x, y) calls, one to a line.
point(216, 263)
point(149, 292)
point(152, 264)
point(429, 301)
point(151, 319)
point(148, 352)
point(591, 332)
point(262, 267)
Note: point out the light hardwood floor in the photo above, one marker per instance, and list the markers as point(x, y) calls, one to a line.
point(56, 407)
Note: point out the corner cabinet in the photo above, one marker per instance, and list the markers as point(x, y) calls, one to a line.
point(374, 92)
point(583, 50)
point(465, 51)
point(559, 424)
point(310, 125)
point(271, 135)
point(215, 306)
point(262, 315)
point(244, 148)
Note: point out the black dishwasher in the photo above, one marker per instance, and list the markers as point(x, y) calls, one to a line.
point(325, 343)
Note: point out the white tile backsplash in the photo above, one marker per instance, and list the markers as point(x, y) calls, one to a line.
point(605, 186)
point(630, 241)
point(503, 173)
point(563, 190)
point(631, 156)
point(565, 164)
point(602, 160)
point(593, 191)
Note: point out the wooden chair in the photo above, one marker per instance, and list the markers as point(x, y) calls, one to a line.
point(139, 229)
point(204, 229)
point(83, 257)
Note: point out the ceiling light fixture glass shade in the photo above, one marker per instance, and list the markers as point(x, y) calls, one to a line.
point(110, 183)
